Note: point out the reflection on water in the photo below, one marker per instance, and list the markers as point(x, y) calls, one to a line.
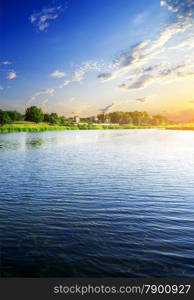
point(35, 142)
point(8, 145)
point(13, 143)
point(97, 203)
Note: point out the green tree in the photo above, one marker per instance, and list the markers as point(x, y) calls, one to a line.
point(47, 118)
point(53, 118)
point(64, 121)
point(34, 114)
point(136, 117)
point(116, 117)
point(159, 120)
point(15, 116)
point(101, 118)
point(145, 118)
point(126, 118)
point(4, 118)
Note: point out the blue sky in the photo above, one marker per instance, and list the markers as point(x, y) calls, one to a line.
point(83, 57)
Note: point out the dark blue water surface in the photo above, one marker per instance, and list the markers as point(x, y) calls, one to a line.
point(112, 203)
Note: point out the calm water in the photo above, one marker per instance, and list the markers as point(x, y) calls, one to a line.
point(114, 203)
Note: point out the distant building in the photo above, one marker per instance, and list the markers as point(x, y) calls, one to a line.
point(76, 119)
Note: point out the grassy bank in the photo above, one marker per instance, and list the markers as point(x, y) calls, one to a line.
point(24, 126)
point(186, 126)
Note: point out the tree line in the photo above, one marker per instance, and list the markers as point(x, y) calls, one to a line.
point(8, 117)
point(133, 117)
point(32, 114)
point(35, 114)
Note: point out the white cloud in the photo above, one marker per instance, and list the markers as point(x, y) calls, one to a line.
point(164, 3)
point(43, 102)
point(2, 88)
point(11, 75)
point(114, 104)
point(80, 73)
point(142, 53)
point(165, 75)
point(6, 62)
point(143, 99)
point(184, 44)
point(65, 83)
point(182, 8)
point(127, 61)
point(42, 18)
point(142, 82)
point(110, 107)
point(105, 76)
point(48, 91)
point(58, 74)
point(140, 18)
point(167, 34)
point(107, 108)
point(149, 61)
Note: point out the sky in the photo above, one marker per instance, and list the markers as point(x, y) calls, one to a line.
point(83, 57)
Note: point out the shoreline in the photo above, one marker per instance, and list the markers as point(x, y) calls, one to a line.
point(45, 127)
point(18, 130)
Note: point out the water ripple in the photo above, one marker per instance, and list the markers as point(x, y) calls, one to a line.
point(97, 204)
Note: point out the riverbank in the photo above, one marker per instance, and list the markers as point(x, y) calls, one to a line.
point(24, 126)
point(186, 126)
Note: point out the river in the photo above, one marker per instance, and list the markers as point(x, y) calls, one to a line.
point(98, 203)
